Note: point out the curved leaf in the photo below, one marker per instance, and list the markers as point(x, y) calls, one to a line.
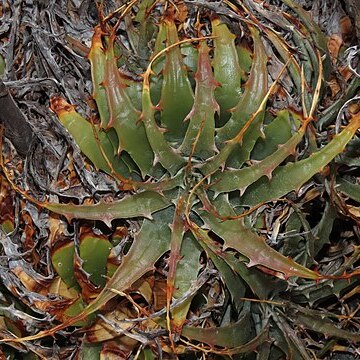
point(176, 93)
point(293, 175)
point(124, 118)
point(237, 236)
point(139, 205)
point(231, 180)
point(228, 336)
point(96, 145)
point(200, 133)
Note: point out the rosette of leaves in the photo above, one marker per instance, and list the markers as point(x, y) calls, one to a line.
point(207, 121)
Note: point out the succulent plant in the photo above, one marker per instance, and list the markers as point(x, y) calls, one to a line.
point(209, 125)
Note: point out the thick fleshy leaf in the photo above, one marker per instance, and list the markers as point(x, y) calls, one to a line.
point(152, 241)
point(2, 65)
point(199, 138)
point(291, 176)
point(139, 205)
point(97, 60)
point(231, 180)
point(276, 133)
point(177, 235)
point(176, 93)
point(95, 144)
point(183, 266)
point(228, 263)
point(352, 190)
point(124, 118)
point(314, 320)
point(63, 262)
point(245, 56)
point(227, 70)
point(287, 340)
point(330, 113)
point(158, 65)
point(228, 336)
point(324, 228)
point(234, 283)
point(246, 119)
point(164, 153)
point(147, 354)
point(308, 292)
point(239, 237)
point(90, 351)
point(146, 30)
point(75, 309)
point(190, 58)
point(94, 252)
point(187, 271)
point(308, 58)
point(250, 346)
point(300, 36)
point(255, 90)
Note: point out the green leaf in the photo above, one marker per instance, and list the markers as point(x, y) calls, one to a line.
point(187, 270)
point(261, 285)
point(139, 205)
point(330, 113)
point(287, 339)
point(231, 180)
point(234, 283)
point(317, 35)
point(188, 266)
point(124, 118)
point(314, 320)
point(238, 136)
point(75, 309)
point(97, 61)
point(229, 336)
point(245, 56)
point(277, 132)
point(227, 70)
point(146, 30)
point(237, 236)
point(190, 58)
point(147, 354)
point(176, 93)
point(7, 226)
point(201, 128)
point(255, 90)
point(152, 241)
point(157, 78)
point(308, 292)
point(2, 65)
point(95, 144)
point(352, 190)
point(177, 235)
point(94, 251)
point(164, 153)
point(90, 351)
point(324, 228)
point(63, 262)
point(293, 175)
